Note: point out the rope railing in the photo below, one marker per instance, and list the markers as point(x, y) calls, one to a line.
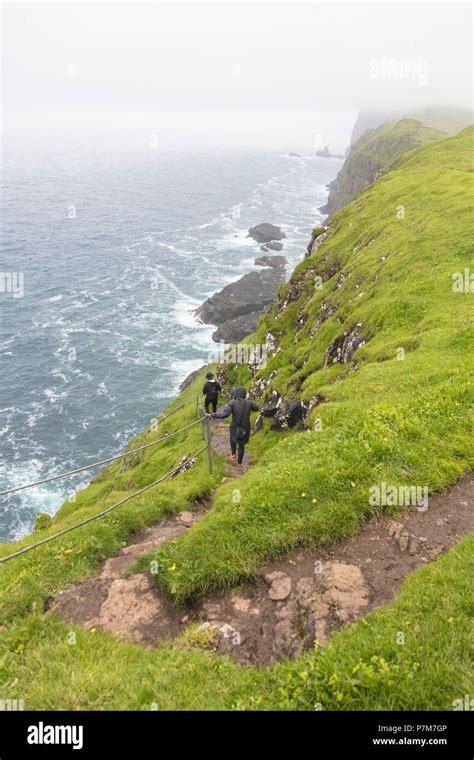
point(109, 509)
point(159, 422)
point(101, 462)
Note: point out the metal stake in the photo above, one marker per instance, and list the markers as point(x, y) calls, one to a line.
point(209, 449)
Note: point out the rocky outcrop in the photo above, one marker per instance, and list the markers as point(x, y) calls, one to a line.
point(290, 413)
point(271, 261)
point(317, 241)
point(271, 247)
point(342, 348)
point(189, 379)
point(237, 307)
point(234, 330)
point(327, 154)
point(315, 232)
point(314, 604)
point(285, 413)
point(265, 233)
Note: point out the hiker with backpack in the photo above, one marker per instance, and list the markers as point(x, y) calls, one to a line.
point(211, 390)
point(240, 408)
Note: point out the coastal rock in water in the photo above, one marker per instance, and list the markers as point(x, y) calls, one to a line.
point(265, 232)
point(271, 247)
point(271, 261)
point(236, 308)
point(327, 154)
point(234, 330)
point(189, 379)
point(251, 292)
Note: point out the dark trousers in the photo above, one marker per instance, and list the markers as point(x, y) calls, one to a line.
point(233, 448)
point(207, 404)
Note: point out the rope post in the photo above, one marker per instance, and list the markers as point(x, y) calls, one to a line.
point(209, 449)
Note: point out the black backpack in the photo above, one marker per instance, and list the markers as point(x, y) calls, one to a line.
point(240, 432)
point(212, 392)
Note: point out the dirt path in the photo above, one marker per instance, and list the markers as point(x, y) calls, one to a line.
point(221, 446)
point(296, 599)
point(132, 607)
point(307, 595)
point(129, 607)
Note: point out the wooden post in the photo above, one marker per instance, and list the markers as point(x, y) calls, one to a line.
point(209, 448)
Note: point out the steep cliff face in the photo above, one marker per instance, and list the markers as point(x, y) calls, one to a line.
point(371, 154)
point(449, 119)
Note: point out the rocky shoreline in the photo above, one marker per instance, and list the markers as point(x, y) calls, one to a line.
point(236, 309)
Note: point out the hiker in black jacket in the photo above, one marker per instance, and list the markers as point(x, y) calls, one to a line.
point(239, 407)
point(211, 391)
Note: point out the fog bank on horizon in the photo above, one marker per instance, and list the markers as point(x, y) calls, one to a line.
point(240, 73)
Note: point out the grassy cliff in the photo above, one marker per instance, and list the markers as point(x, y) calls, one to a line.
point(373, 343)
point(373, 152)
point(387, 276)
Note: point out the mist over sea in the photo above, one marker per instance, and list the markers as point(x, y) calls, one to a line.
point(117, 246)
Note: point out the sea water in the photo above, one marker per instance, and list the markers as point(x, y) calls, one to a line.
point(115, 248)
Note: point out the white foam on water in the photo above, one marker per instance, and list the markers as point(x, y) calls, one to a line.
point(183, 312)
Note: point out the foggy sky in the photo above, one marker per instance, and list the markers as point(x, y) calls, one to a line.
point(117, 62)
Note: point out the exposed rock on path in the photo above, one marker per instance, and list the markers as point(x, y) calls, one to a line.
point(296, 600)
point(307, 595)
point(131, 608)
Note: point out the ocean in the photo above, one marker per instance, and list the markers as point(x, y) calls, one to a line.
point(116, 247)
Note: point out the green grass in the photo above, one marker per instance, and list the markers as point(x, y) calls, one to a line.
point(373, 152)
point(367, 666)
point(405, 422)
point(378, 422)
point(37, 575)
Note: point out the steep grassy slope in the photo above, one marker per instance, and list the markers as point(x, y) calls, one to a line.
point(371, 153)
point(404, 393)
point(448, 119)
point(403, 417)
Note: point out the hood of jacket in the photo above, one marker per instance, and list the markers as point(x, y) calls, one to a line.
point(239, 392)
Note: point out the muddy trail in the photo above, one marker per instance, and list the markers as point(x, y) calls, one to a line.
point(298, 598)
